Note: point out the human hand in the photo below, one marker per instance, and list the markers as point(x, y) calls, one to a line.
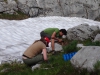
point(47, 62)
point(59, 40)
point(51, 51)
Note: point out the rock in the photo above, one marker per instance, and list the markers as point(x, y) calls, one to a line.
point(97, 38)
point(82, 32)
point(58, 47)
point(80, 45)
point(86, 57)
point(36, 66)
point(86, 9)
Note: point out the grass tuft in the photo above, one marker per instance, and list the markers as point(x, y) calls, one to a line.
point(71, 47)
point(18, 16)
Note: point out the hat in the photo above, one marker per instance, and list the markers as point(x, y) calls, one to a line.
point(47, 39)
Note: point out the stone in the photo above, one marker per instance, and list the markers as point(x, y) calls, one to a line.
point(86, 57)
point(89, 9)
point(36, 66)
point(81, 32)
point(58, 47)
point(97, 38)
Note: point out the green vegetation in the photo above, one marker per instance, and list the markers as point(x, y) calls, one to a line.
point(18, 16)
point(5, 1)
point(97, 67)
point(96, 43)
point(71, 47)
point(55, 66)
point(14, 69)
point(88, 42)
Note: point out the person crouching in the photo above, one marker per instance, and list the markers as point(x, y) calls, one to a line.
point(36, 52)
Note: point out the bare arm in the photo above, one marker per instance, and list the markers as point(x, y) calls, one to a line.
point(45, 54)
point(54, 37)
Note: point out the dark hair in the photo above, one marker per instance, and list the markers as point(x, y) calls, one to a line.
point(42, 39)
point(63, 31)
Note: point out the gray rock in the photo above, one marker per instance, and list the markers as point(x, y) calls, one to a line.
point(29, 3)
point(82, 32)
point(1, 8)
point(86, 57)
point(9, 6)
point(89, 9)
point(97, 38)
point(36, 66)
point(80, 45)
point(33, 12)
point(23, 8)
point(58, 47)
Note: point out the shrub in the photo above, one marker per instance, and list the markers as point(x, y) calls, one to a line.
point(90, 43)
point(71, 47)
point(97, 67)
point(13, 68)
point(17, 16)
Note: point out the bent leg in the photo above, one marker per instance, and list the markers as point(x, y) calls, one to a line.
point(34, 60)
point(52, 44)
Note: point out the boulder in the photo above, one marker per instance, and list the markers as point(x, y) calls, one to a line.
point(82, 32)
point(86, 57)
point(89, 9)
point(9, 6)
point(58, 47)
point(97, 38)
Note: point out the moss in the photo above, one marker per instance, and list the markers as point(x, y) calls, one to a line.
point(18, 16)
point(5, 1)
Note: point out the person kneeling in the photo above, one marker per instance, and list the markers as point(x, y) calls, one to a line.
point(36, 52)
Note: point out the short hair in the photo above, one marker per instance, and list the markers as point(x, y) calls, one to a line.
point(63, 31)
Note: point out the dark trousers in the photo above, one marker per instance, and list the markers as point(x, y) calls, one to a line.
point(43, 34)
point(34, 60)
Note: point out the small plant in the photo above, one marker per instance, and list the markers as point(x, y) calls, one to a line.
point(97, 67)
point(10, 69)
point(90, 43)
point(86, 42)
point(71, 47)
point(96, 43)
point(17, 16)
point(5, 1)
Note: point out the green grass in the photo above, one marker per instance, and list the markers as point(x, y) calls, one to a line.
point(88, 42)
point(55, 66)
point(71, 47)
point(18, 16)
point(14, 69)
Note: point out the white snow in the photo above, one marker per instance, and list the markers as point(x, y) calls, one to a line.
point(17, 35)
